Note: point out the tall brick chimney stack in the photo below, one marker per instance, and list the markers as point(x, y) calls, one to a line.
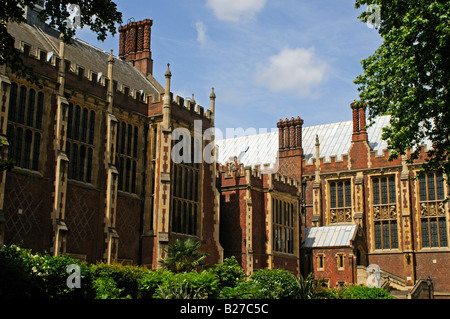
point(359, 123)
point(134, 45)
point(290, 149)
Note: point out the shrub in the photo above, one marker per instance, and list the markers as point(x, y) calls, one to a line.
point(169, 285)
point(16, 277)
point(123, 280)
point(150, 281)
point(229, 273)
point(106, 288)
point(27, 275)
point(202, 284)
point(180, 290)
point(243, 290)
point(53, 275)
point(362, 292)
point(276, 283)
point(311, 288)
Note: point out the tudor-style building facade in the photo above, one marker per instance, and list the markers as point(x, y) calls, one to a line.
point(94, 176)
point(100, 175)
point(347, 179)
point(403, 216)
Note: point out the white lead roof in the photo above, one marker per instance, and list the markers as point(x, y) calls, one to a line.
point(329, 236)
point(334, 138)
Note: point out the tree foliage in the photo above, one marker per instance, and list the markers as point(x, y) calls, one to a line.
point(5, 163)
point(100, 16)
point(408, 78)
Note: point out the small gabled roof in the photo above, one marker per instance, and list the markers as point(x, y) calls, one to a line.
point(330, 236)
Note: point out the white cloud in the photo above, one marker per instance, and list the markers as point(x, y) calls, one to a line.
point(236, 10)
point(201, 32)
point(297, 71)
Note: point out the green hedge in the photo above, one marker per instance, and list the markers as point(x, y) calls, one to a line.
point(276, 283)
point(117, 281)
point(27, 275)
point(361, 292)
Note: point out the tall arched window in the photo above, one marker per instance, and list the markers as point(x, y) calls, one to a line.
point(384, 207)
point(340, 201)
point(432, 210)
point(22, 104)
point(283, 221)
point(186, 192)
point(80, 142)
point(24, 126)
point(30, 110)
point(39, 110)
point(127, 156)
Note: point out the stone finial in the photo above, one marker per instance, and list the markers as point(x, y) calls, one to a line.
point(111, 57)
point(168, 73)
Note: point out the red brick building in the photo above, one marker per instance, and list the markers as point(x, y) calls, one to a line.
point(347, 179)
point(108, 168)
point(94, 176)
point(260, 220)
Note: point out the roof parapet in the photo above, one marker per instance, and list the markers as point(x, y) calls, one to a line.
point(236, 169)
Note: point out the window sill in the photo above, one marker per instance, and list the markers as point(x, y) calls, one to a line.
point(127, 194)
point(184, 236)
point(287, 255)
point(433, 250)
point(26, 171)
point(80, 183)
point(386, 251)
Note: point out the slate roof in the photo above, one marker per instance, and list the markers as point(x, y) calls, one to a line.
point(85, 55)
point(329, 236)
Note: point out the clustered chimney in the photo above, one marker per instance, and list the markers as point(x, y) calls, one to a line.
point(134, 45)
point(359, 122)
point(290, 133)
point(290, 153)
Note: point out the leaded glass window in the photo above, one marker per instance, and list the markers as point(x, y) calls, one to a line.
point(432, 210)
point(283, 225)
point(385, 212)
point(340, 202)
point(80, 142)
point(24, 127)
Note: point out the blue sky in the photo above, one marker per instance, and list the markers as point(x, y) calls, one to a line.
point(267, 59)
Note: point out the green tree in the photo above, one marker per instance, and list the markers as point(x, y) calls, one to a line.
point(183, 256)
point(100, 16)
point(408, 77)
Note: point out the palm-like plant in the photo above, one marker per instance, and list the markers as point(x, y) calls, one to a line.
point(182, 256)
point(311, 288)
